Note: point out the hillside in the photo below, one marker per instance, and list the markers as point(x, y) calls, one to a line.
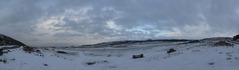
point(5, 40)
point(205, 54)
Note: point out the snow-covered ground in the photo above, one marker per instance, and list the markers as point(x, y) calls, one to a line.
point(188, 56)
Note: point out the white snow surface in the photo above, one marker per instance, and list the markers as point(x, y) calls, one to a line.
point(192, 56)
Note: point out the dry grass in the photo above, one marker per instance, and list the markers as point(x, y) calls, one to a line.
point(28, 49)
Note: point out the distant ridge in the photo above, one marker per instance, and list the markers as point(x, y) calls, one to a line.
point(113, 43)
point(5, 40)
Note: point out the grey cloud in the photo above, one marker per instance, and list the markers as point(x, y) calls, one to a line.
point(136, 19)
point(66, 34)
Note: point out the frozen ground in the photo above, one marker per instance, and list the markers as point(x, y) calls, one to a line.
point(188, 56)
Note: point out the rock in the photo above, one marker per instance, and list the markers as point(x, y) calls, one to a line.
point(45, 64)
point(38, 51)
point(62, 52)
point(211, 63)
point(138, 56)
point(90, 63)
point(171, 50)
point(95, 62)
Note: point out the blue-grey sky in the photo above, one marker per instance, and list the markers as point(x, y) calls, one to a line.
point(78, 22)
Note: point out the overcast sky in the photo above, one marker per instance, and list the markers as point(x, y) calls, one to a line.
point(78, 22)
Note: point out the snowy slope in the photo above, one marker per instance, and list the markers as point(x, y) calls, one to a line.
point(188, 56)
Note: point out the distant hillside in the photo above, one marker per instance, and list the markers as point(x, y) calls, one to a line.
point(5, 40)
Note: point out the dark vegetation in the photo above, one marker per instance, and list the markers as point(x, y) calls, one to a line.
point(38, 51)
point(171, 50)
point(222, 43)
point(1, 41)
point(13, 47)
point(235, 37)
point(211, 63)
point(28, 49)
point(62, 52)
point(229, 58)
point(3, 60)
point(192, 41)
point(45, 64)
point(92, 63)
point(1, 52)
point(33, 50)
point(5, 40)
point(138, 56)
point(13, 59)
point(130, 42)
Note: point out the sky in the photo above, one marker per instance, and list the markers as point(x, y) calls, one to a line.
point(79, 22)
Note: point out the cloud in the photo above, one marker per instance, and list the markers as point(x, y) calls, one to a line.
point(78, 22)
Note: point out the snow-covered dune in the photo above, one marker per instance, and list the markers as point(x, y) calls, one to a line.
point(188, 56)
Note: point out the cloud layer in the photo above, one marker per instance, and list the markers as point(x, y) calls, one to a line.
point(77, 22)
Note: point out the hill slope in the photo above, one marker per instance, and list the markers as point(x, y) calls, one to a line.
point(203, 54)
point(5, 40)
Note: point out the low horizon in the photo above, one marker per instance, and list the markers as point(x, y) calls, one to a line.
point(123, 40)
point(132, 40)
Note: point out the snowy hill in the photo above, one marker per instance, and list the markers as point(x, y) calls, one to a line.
point(206, 54)
point(120, 44)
